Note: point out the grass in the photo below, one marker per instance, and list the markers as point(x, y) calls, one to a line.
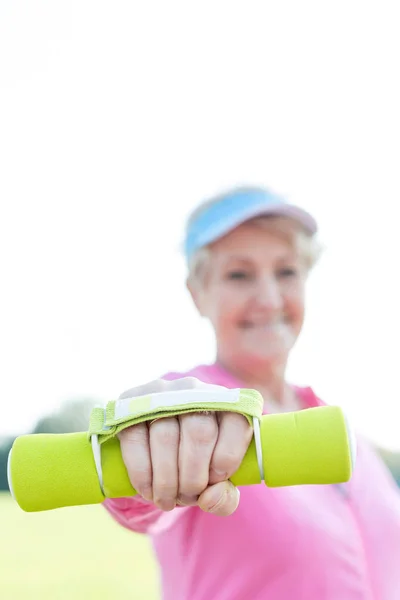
point(72, 554)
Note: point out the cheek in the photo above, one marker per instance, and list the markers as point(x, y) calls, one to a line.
point(225, 308)
point(294, 306)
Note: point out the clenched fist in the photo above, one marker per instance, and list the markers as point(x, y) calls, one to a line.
point(186, 460)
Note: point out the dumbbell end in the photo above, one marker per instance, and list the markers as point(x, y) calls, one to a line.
point(312, 446)
point(47, 471)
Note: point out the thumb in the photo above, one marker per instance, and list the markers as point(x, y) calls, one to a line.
point(220, 499)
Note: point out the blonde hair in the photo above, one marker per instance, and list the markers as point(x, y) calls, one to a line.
point(287, 228)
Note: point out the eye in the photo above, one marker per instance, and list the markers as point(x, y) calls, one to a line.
point(237, 275)
point(287, 272)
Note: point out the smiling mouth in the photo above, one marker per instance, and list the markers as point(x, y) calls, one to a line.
point(271, 326)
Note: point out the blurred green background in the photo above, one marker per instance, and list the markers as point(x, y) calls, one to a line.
point(72, 554)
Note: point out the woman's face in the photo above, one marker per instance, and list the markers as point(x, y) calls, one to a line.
point(253, 295)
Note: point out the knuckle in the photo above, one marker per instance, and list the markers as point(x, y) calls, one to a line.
point(137, 434)
point(227, 461)
point(164, 433)
point(202, 429)
point(237, 427)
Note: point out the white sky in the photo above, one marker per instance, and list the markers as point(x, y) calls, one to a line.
point(116, 118)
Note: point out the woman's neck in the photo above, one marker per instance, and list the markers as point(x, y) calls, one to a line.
point(278, 395)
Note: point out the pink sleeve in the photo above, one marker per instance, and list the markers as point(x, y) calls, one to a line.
point(133, 513)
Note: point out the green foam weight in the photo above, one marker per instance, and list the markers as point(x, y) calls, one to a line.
point(312, 446)
point(53, 470)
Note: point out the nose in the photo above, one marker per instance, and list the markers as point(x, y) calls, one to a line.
point(268, 294)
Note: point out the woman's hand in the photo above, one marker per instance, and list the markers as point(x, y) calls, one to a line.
point(186, 460)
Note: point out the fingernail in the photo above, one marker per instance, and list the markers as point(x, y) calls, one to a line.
point(147, 495)
point(187, 500)
point(166, 504)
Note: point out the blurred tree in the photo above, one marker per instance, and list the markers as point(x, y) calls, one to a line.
point(392, 460)
point(72, 416)
point(5, 447)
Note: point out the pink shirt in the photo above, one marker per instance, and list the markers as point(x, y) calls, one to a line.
point(298, 543)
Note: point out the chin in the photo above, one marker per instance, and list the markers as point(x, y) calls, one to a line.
point(266, 361)
point(272, 351)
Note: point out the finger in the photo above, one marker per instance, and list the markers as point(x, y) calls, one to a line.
point(135, 452)
point(235, 434)
point(158, 385)
point(186, 383)
point(163, 385)
point(189, 383)
point(221, 499)
point(199, 433)
point(164, 444)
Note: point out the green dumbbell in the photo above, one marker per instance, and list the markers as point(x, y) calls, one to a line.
point(48, 471)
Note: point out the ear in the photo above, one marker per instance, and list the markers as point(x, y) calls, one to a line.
point(197, 296)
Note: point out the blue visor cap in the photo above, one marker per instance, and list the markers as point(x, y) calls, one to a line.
point(219, 218)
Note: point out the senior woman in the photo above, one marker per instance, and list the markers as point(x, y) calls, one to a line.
point(249, 254)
